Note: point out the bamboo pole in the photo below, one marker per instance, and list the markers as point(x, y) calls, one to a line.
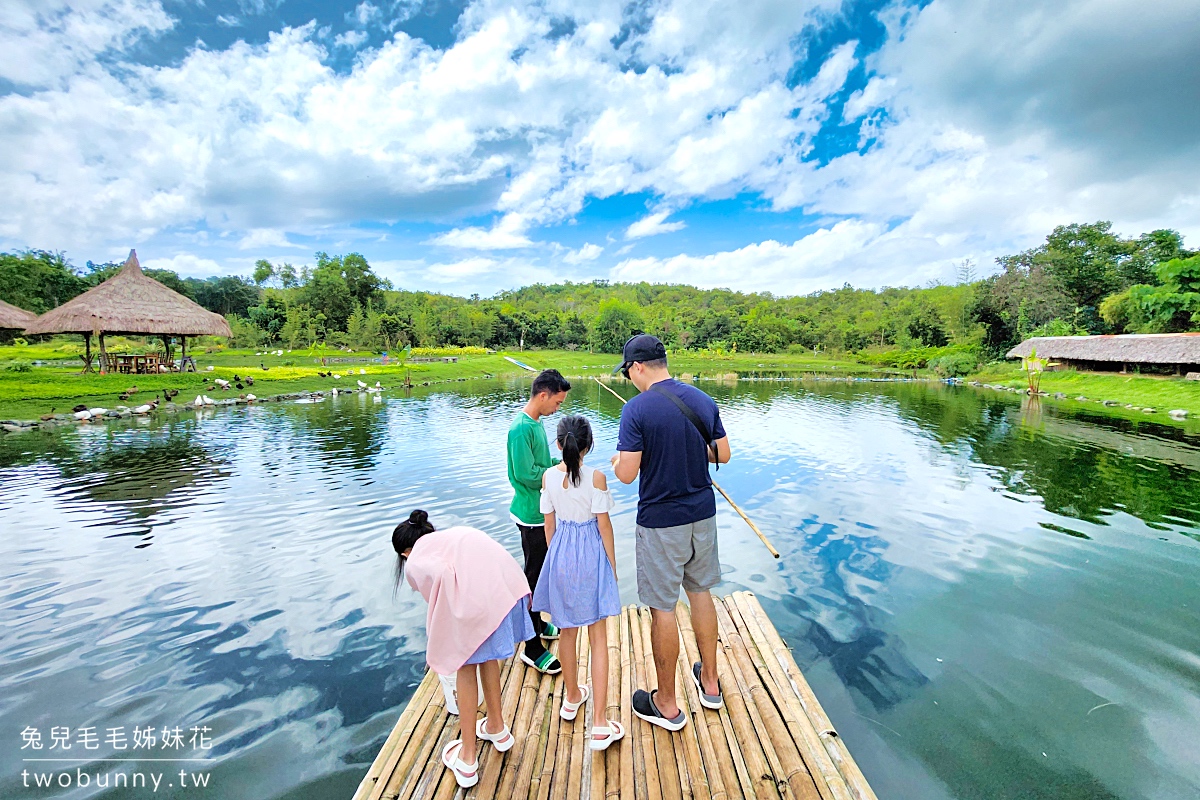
point(787, 762)
point(515, 783)
point(612, 756)
point(718, 771)
point(743, 740)
point(575, 776)
point(103, 355)
point(687, 749)
point(830, 783)
point(410, 769)
point(670, 785)
point(716, 486)
point(397, 740)
point(834, 745)
point(629, 746)
point(544, 779)
point(647, 778)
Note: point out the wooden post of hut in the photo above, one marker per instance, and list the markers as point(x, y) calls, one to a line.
point(130, 303)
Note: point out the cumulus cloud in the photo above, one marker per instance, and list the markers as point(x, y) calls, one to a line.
point(652, 225)
point(350, 39)
point(264, 237)
point(588, 252)
point(982, 125)
point(186, 264)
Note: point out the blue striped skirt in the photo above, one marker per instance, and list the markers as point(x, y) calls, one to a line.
point(515, 628)
point(577, 585)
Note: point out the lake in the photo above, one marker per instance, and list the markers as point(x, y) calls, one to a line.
point(990, 600)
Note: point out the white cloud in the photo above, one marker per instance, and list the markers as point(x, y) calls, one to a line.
point(989, 123)
point(588, 252)
point(351, 39)
point(652, 225)
point(228, 21)
point(507, 234)
point(186, 264)
point(363, 13)
point(265, 237)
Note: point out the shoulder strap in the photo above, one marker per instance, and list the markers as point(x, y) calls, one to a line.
point(692, 417)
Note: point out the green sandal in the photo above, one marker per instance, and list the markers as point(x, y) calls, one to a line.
point(551, 632)
point(546, 663)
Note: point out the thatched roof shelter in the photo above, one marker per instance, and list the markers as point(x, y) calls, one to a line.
point(15, 319)
point(1129, 348)
point(131, 303)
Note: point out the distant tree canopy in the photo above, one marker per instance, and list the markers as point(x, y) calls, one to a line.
point(1083, 279)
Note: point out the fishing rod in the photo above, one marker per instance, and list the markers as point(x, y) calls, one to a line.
point(716, 485)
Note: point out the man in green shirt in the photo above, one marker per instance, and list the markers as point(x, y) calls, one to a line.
point(528, 459)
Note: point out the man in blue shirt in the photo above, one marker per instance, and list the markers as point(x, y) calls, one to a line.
point(670, 433)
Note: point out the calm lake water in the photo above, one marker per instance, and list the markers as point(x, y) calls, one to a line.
point(990, 602)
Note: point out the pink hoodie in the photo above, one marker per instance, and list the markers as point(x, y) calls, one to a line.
point(471, 584)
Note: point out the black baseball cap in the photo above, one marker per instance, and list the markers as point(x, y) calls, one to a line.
point(642, 347)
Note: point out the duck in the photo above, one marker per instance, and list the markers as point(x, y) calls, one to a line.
point(335, 391)
point(264, 366)
point(337, 377)
point(98, 411)
point(131, 390)
point(78, 408)
point(236, 378)
point(199, 400)
point(208, 401)
point(249, 381)
point(50, 416)
point(362, 385)
point(362, 372)
point(147, 408)
point(222, 383)
point(170, 393)
point(378, 385)
point(251, 398)
point(83, 416)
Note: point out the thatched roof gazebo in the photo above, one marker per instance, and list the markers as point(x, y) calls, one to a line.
point(130, 303)
point(1181, 350)
point(13, 318)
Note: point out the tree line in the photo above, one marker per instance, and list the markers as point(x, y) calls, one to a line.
point(1083, 278)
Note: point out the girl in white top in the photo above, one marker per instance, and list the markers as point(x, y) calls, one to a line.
point(578, 585)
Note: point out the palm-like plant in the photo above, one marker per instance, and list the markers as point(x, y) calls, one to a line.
point(1033, 366)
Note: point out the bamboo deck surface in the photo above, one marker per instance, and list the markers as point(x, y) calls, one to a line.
point(771, 740)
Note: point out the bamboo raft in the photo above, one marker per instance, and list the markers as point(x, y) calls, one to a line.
point(771, 740)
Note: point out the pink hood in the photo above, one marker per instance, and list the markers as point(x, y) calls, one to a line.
point(471, 584)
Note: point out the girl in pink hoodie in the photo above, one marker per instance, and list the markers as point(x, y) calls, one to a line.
point(478, 614)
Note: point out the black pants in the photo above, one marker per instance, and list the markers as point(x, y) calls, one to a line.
point(533, 545)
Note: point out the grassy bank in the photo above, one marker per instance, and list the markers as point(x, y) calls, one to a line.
point(1161, 393)
point(36, 390)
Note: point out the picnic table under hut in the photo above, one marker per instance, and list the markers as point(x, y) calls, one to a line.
point(130, 303)
point(13, 318)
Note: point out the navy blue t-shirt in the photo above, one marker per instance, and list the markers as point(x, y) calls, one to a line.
point(674, 487)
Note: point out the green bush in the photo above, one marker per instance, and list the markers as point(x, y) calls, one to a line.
point(917, 357)
point(956, 365)
point(18, 366)
point(449, 351)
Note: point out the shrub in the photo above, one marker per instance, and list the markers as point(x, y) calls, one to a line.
point(18, 366)
point(955, 365)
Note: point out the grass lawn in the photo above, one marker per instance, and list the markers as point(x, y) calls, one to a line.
point(29, 394)
point(1146, 391)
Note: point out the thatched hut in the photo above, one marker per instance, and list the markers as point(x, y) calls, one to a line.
point(13, 318)
point(1180, 351)
point(130, 303)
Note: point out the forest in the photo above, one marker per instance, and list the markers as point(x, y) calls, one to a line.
point(1084, 278)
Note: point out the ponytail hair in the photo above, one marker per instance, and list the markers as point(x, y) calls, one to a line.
point(575, 438)
point(405, 536)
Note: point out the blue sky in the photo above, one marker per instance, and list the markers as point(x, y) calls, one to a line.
point(471, 147)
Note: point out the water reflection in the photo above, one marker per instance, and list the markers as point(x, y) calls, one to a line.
point(963, 580)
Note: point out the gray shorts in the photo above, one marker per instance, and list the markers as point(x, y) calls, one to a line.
point(682, 555)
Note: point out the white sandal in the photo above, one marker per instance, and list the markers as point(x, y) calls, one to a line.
point(466, 774)
point(613, 733)
point(569, 710)
point(502, 741)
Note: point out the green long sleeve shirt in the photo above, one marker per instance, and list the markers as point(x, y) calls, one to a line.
point(528, 459)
